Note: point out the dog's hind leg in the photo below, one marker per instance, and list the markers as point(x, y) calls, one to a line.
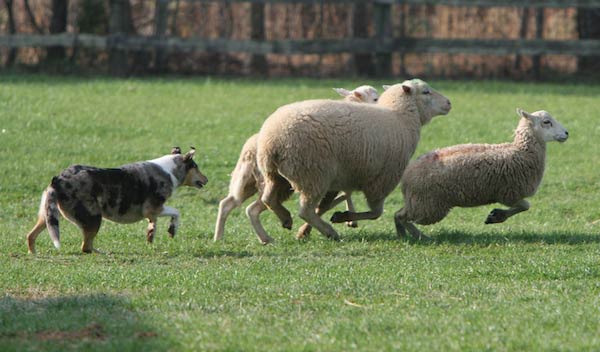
point(40, 225)
point(89, 233)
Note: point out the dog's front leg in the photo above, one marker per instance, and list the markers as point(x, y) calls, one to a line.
point(174, 214)
point(151, 229)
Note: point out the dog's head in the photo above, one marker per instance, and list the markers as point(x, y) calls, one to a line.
point(192, 175)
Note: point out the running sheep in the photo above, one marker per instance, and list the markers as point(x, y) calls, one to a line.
point(471, 175)
point(324, 146)
point(246, 179)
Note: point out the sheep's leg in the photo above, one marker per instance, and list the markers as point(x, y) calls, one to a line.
point(375, 212)
point(402, 224)
point(273, 194)
point(253, 212)
point(350, 208)
point(225, 207)
point(308, 214)
point(500, 215)
point(328, 202)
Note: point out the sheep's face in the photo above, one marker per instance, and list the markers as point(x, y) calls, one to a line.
point(545, 126)
point(362, 94)
point(430, 102)
point(433, 103)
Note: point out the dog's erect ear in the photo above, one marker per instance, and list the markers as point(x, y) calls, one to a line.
point(343, 92)
point(385, 87)
point(176, 150)
point(189, 155)
point(406, 89)
point(358, 94)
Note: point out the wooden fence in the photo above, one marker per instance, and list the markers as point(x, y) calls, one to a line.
point(382, 44)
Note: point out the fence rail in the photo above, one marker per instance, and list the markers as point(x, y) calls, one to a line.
point(383, 44)
point(318, 46)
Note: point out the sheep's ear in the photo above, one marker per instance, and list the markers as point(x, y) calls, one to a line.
point(189, 155)
point(524, 114)
point(176, 150)
point(343, 92)
point(358, 94)
point(385, 87)
point(406, 89)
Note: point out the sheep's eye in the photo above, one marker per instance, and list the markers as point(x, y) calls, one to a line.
point(426, 92)
point(375, 99)
point(547, 123)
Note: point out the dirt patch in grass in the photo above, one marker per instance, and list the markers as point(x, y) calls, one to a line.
point(92, 332)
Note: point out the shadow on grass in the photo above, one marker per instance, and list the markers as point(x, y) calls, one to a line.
point(482, 239)
point(80, 322)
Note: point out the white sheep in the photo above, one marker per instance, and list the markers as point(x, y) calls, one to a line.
point(471, 175)
point(320, 146)
point(246, 179)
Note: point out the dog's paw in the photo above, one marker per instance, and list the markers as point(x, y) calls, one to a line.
point(172, 230)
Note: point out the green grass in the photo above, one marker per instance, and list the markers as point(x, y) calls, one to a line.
point(532, 283)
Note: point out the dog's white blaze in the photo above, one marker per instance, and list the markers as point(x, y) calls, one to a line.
point(167, 164)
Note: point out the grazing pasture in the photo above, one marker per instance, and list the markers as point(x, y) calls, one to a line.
point(532, 283)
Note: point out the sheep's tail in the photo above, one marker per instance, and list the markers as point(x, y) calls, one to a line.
point(51, 213)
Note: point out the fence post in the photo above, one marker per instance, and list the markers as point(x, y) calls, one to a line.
point(117, 61)
point(539, 34)
point(258, 62)
point(383, 31)
point(363, 63)
point(160, 23)
point(58, 24)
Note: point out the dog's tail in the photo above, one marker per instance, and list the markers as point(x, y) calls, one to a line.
point(51, 213)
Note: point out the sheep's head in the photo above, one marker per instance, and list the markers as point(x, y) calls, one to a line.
point(429, 102)
point(545, 126)
point(362, 94)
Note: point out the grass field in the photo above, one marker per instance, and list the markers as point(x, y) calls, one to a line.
point(532, 283)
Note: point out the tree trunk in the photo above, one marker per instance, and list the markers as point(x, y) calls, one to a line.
point(588, 26)
point(58, 24)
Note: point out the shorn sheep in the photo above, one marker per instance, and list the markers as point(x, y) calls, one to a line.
point(322, 146)
point(246, 179)
point(471, 175)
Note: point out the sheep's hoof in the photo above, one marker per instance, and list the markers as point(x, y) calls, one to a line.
point(172, 229)
point(304, 232)
point(265, 241)
point(400, 230)
point(352, 224)
point(339, 217)
point(496, 216)
point(287, 224)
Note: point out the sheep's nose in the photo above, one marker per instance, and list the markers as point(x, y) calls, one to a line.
point(566, 133)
